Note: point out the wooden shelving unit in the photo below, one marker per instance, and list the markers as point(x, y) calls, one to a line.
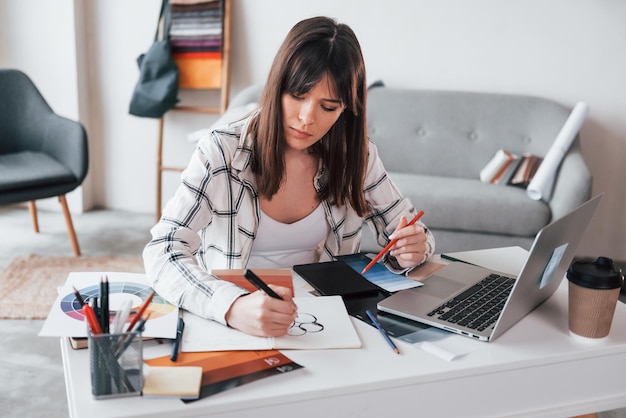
point(220, 109)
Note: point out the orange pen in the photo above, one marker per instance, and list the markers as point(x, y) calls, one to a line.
point(142, 309)
point(391, 243)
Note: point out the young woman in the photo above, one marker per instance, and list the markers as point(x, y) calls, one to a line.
point(290, 184)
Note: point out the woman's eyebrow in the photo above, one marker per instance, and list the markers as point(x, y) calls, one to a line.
point(337, 101)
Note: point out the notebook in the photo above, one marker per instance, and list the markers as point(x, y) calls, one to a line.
point(442, 301)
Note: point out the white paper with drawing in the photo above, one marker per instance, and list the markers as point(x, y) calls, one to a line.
point(322, 323)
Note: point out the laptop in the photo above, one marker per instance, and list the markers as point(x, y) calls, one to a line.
point(453, 298)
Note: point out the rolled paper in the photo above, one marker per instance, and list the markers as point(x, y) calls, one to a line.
point(540, 187)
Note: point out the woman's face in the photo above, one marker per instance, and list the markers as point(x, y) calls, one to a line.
point(307, 118)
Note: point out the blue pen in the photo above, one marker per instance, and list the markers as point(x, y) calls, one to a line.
point(382, 331)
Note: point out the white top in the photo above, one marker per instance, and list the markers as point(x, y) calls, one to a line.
point(280, 245)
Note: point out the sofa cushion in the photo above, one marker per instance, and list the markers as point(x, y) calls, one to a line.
point(471, 205)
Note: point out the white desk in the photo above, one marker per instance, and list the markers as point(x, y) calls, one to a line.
point(534, 369)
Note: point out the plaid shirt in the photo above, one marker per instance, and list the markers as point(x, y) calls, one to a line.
point(212, 220)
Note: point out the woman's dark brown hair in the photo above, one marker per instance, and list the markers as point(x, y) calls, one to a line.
point(313, 48)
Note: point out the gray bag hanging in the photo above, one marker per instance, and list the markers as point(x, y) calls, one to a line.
point(156, 91)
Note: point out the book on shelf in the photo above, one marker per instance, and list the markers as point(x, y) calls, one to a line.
point(504, 177)
point(496, 167)
point(507, 168)
point(526, 170)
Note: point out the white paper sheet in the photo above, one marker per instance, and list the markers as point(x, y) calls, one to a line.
point(442, 344)
point(66, 319)
point(323, 322)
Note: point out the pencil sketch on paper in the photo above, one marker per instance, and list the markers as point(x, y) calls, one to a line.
point(322, 323)
point(305, 323)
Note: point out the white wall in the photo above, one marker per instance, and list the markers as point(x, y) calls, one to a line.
point(46, 50)
point(567, 50)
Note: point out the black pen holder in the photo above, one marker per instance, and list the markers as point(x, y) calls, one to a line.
point(116, 362)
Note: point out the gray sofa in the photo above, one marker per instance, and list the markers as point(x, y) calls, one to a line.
point(434, 145)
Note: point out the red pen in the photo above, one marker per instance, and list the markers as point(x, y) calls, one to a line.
point(92, 320)
point(391, 243)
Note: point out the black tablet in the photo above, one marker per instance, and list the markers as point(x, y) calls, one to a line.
point(358, 294)
point(337, 278)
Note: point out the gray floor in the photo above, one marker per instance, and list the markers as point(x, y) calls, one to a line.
point(31, 374)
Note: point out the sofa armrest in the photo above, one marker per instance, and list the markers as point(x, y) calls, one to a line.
point(572, 186)
point(250, 94)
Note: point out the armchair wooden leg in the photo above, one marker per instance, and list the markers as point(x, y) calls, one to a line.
point(32, 208)
point(70, 226)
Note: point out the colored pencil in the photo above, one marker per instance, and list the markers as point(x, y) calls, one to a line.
point(141, 311)
point(105, 306)
point(79, 297)
point(391, 243)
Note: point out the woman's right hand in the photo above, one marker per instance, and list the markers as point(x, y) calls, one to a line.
point(261, 315)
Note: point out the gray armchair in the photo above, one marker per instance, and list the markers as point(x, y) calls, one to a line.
point(42, 154)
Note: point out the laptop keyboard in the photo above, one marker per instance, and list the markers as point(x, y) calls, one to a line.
point(479, 306)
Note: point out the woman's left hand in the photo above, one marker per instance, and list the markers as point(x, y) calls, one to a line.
point(410, 249)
